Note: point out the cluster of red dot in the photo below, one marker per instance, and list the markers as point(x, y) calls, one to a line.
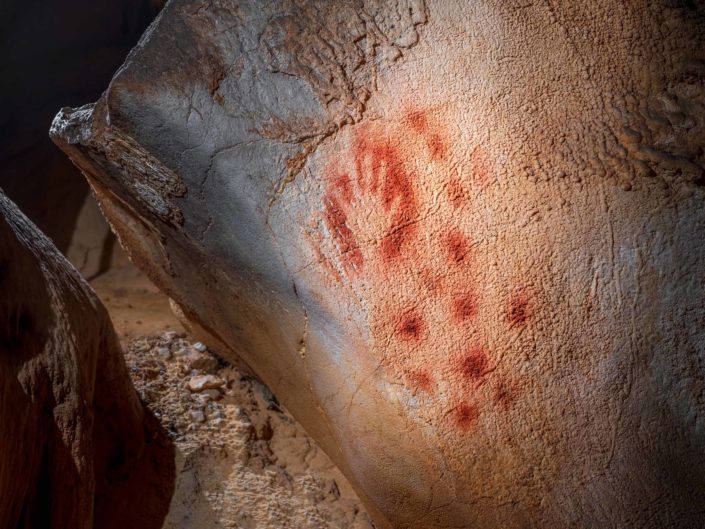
point(379, 170)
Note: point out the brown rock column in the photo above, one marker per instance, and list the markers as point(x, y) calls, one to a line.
point(77, 449)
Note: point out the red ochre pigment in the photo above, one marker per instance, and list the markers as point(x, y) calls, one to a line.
point(473, 365)
point(397, 194)
point(336, 219)
point(391, 245)
point(410, 326)
point(437, 147)
point(380, 173)
point(465, 415)
point(419, 123)
point(456, 246)
point(382, 186)
point(519, 310)
point(343, 185)
point(464, 307)
point(420, 380)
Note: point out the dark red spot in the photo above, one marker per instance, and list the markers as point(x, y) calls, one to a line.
point(519, 310)
point(421, 380)
point(437, 146)
point(336, 219)
point(410, 326)
point(457, 246)
point(465, 415)
point(504, 394)
point(464, 307)
point(474, 364)
point(456, 193)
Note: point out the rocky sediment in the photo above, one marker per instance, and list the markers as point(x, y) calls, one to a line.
point(242, 461)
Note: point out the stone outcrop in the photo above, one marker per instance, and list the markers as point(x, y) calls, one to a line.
point(461, 241)
point(77, 449)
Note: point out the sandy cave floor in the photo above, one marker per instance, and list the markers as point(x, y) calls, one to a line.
point(242, 461)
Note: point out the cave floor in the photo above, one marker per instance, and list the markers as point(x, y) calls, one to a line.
point(241, 460)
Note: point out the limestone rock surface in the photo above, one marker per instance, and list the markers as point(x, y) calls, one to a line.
point(463, 242)
point(77, 450)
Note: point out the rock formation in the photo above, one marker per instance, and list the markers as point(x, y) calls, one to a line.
point(461, 241)
point(77, 450)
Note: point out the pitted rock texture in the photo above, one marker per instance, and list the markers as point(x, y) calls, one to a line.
point(461, 242)
point(77, 450)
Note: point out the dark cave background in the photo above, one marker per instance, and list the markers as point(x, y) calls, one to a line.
point(53, 54)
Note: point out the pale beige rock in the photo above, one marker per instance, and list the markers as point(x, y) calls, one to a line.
point(198, 383)
point(248, 464)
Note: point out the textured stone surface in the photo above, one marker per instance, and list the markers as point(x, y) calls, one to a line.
point(242, 461)
point(76, 447)
point(462, 242)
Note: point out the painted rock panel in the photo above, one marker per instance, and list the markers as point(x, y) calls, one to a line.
point(462, 243)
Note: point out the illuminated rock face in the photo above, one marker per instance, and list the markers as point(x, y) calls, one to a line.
point(76, 447)
point(461, 241)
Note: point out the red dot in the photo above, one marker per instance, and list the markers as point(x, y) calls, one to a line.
point(437, 147)
point(410, 326)
point(519, 310)
point(465, 415)
point(457, 246)
point(464, 307)
point(474, 364)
